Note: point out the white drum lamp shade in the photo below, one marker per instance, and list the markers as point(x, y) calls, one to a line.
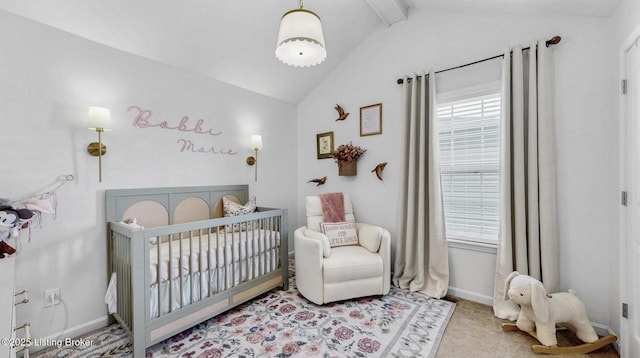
point(256, 142)
point(99, 117)
point(300, 39)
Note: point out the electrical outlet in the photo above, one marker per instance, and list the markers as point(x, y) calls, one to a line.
point(51, 297)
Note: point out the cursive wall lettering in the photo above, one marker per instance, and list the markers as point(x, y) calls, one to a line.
point(142, 120)
point(189, 146)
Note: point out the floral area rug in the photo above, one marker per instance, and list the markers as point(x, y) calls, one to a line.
point(111, 341)
point(285, 324)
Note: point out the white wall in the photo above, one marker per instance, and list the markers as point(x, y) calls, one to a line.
point(625, 19)
point(586, 130)
point(48, 78)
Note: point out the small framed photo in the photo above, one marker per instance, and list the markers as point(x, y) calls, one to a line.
point(324, 143)
point(371, 120)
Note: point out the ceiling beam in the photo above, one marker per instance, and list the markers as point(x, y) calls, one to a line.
point(390, 11)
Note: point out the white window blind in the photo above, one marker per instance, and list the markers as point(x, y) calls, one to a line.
point(469, 134)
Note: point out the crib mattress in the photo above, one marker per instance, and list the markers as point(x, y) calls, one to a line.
point(195, 253)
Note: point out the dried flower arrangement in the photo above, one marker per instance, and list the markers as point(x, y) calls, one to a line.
point(347, 153)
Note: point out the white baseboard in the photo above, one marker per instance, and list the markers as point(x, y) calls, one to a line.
point(471, 296)
point(603, 330)
point(74, 332)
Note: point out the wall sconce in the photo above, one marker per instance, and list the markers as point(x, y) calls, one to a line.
point(256, 145)
point(99, 119)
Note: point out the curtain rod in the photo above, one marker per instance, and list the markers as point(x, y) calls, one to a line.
point(553, 41)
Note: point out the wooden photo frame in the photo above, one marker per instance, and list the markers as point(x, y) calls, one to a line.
point(324, 145)
point(371, 120)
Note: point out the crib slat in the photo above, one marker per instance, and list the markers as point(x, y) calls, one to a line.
point(239, 259)
point(261, 247)
point(226, 262)
point(189, 264)
point(199, 270)
point(233, 260)
point(180, 272)
point(160, 282)
point(268, 247)
point(219, 261)
point(127, 281)
point(242, 246)
point(248, 248)
point(209, 277)
point(255, 234)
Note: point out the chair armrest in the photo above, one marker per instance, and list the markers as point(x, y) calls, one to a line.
point(370, 236)
point(385, 252)
point(321, 238)
point(309, 264)
point(384, 248)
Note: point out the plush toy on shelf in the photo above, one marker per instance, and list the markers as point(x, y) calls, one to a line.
point(541, 313)
point(12, 221)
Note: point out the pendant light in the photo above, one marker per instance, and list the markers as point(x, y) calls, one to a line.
point(300, 39)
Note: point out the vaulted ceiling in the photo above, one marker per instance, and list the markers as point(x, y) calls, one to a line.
point(234, 40)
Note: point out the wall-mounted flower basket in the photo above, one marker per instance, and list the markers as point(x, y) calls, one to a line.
point(347, 168)
point(346, 156)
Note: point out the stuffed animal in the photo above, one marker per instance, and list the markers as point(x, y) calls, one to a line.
point(133, 224)
point(542, 311)
point(11, 220)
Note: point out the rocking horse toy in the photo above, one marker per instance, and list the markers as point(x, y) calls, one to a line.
point(541, 314)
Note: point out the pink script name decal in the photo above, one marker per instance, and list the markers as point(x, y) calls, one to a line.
point(189, 146)
point(142, 121)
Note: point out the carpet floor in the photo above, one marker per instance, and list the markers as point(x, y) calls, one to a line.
point(474, 331)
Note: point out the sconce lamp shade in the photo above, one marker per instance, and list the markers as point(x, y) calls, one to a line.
point(300, 39)
point(256, 142)
point(99, 118)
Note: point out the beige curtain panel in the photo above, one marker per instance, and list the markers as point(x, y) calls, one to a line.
point(421, 257)
point(528, 240)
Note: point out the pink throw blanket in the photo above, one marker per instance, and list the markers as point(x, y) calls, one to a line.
point(332, 207)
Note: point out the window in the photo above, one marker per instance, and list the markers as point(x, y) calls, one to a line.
point(469, 134)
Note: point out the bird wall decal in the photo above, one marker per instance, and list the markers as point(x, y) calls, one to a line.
point(318, 181)
point(341, 115)
point(378, 169)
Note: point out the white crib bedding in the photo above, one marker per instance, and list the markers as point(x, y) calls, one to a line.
point(201, 253)
point(203, 284)
point(242, 256)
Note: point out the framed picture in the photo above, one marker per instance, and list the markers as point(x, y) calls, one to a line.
point(371, 119)
point(324, 143)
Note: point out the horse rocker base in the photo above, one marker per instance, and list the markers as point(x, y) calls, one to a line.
point(567, 350)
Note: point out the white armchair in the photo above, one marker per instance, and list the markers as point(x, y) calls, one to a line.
point(327, 274)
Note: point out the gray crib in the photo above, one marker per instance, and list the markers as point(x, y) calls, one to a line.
point(189, 263)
